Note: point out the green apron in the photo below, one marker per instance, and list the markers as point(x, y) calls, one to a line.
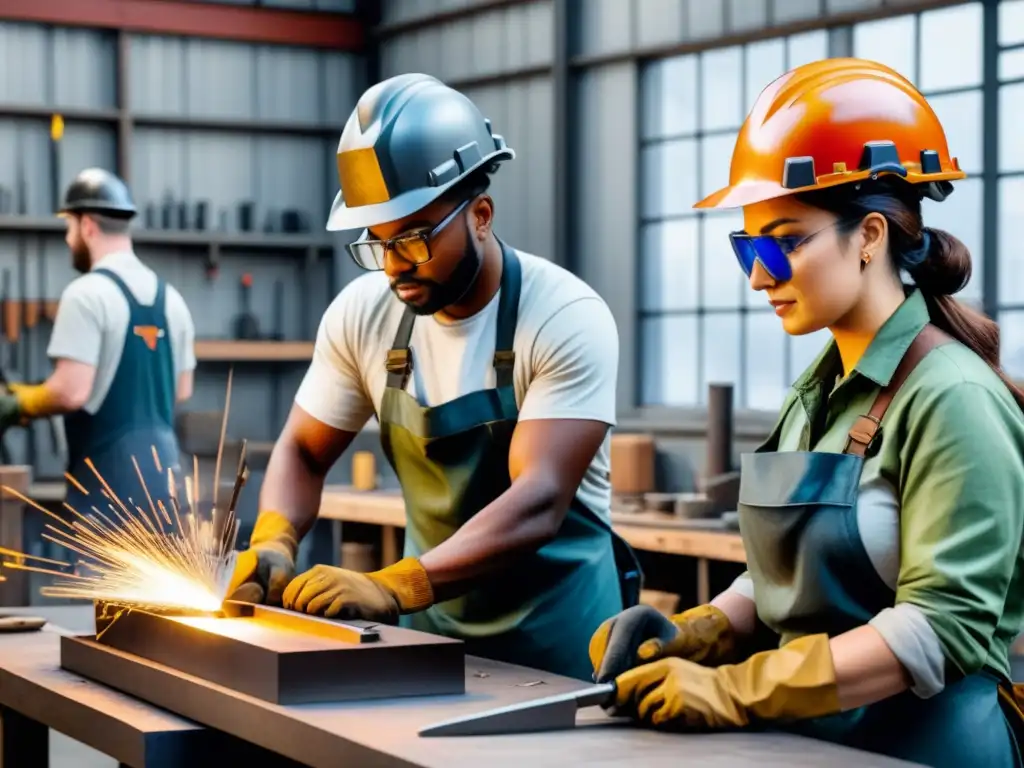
point(811, 574)
point(452, 461)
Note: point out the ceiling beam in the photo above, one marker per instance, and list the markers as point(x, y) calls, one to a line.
point(180, 17)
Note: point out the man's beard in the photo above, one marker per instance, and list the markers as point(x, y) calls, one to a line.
point(441, 295)
point(81, 260)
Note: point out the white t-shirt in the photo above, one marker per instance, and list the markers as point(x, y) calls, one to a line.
point(92, 321)
point(566, 358)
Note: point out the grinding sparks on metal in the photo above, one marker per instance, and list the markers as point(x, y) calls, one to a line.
point(178, 559)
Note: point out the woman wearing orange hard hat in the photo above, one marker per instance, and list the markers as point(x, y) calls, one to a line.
point(882, 519)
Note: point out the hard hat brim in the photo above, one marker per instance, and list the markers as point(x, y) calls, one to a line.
point(759, 191)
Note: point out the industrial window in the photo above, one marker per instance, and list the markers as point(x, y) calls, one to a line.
point(700, 321)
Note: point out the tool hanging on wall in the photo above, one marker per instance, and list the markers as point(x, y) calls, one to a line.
point(278, 334)
point(246, 325)
point(246, 216)
point(12, 320)
point(202, 210)
point(56, 134)
point(167, 211)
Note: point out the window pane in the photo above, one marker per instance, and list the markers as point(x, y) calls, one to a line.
point(803, 350)
point(960, 215)
point(1011, 255)
point(669, 97)
point(722, 279)
point(1011, 64)
point(715, 159)
point(766, 362)
point(951, 42)
point(669, 260)
point(1011, 22)
point(960, 115)
point(807, 47)
point(721, 338)
point(721, 89)
point(669, 178)
point(1011, 117)
point(1011, 343)
point(765, 62)
point(889, 41)
point(669, 360)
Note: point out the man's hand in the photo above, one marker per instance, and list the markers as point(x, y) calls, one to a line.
point(796, 681)
point(263, 571)
point(379, 596)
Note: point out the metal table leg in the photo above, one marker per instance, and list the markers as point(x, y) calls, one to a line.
point(25, 743)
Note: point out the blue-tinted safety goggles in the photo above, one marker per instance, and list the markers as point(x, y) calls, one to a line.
point(770, 250)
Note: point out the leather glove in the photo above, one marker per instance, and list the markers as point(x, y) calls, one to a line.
point(378, 596)
point(263, 570)
point(796, 681)
point(641, 634)
point(34, 400)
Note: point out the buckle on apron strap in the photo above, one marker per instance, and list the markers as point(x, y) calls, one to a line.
point(504, 358)
point(865, 432)
point(398, 361)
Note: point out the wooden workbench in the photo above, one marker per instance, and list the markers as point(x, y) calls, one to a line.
point(378, 733)
point(703, 540)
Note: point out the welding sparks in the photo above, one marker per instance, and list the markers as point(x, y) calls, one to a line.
point(176, 559)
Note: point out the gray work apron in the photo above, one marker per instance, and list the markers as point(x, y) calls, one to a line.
point(452, 461)
point(135, 418)
point(811, 574)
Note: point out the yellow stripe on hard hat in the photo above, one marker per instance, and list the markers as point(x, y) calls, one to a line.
point(56, 127)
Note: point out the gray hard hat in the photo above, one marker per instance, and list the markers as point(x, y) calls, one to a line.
point(409, 139)
point(95, 190)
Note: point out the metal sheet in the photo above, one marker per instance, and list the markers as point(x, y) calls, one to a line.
point(284, 657)
point(552, 713)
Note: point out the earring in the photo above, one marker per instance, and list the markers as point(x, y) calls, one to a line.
point(865, 257)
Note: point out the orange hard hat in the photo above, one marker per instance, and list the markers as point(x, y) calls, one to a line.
point(833, 122)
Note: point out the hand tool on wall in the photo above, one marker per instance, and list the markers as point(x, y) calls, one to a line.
point(12, 320)
point(167, 211)
point(150, 215)
point(183, 222)
point(278, 334)
point(201, 213)
point(551, 713)
point(246, 325)
point(56, 134)
point(6, 201)
point(246, 216)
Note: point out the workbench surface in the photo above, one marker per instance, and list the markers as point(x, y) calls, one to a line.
point(381, 733)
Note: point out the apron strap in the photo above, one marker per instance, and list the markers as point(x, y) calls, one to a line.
point(867, 429)
point(399, 359)
point(399, 362)
point(508, 316)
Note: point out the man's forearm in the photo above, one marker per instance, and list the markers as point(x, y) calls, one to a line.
point(292, 486)
point(521, 520)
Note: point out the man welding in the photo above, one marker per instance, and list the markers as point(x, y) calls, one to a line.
point(492, 374)
point(122, 346)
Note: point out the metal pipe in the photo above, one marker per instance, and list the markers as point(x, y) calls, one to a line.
point(719, 450)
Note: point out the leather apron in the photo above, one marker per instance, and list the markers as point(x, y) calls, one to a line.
point(452, 461)
point(811, 574)
point(135, 419)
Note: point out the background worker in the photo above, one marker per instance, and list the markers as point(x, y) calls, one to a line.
point(492, 374)
point(888, 559)
point(123, 352)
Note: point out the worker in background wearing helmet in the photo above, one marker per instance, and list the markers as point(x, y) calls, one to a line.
point(887, 558)
point(122, 345)
point(492, 373)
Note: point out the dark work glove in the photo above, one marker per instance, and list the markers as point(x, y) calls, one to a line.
point(614, 646)
point(263, 571)
point(10, 412)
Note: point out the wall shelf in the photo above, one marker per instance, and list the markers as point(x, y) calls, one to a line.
point(113, 116)
point(232, 350)
point(39, 225)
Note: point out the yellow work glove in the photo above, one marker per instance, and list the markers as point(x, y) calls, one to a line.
point(263, 570)
point(641, 634)
point(378, 596)
point(34, 400)
point(794, 682)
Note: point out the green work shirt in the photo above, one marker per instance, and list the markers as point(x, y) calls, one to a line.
point(953, 446)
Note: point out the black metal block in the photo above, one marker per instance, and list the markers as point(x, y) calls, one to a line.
point(285, 657)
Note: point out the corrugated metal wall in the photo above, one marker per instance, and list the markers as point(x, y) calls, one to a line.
point(183, 80)
point(499, 58)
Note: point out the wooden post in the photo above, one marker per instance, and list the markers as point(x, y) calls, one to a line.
point(15, 590)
